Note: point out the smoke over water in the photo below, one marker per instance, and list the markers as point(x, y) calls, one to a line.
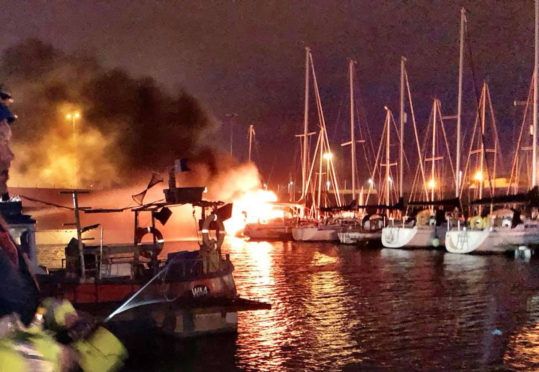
point(128, 126)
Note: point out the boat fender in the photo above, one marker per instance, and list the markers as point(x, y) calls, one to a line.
point(477, 222)
point(423, 218)
point(435, 242)
point(142, 231)
point(219, 228)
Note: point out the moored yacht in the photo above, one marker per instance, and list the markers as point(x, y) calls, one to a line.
point(501, 231)
point(369, 231)
point(322, 231)
point(426, 231)
point(277, 228)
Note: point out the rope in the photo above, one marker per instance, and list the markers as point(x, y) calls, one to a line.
point(420, 159)
point(448, 152)
point(478, 102)
point(89, 210)
point(45, 202)
point(514, 166)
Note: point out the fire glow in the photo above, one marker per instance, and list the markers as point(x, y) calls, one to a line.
point(251, 207)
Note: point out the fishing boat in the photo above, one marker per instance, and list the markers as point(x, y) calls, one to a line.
point(188, 293)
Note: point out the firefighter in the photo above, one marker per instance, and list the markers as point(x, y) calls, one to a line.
point(6, 155)
point(50, 336)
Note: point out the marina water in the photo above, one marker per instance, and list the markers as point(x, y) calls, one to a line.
point(345, 308)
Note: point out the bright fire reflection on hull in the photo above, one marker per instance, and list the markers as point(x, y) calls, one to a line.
point(252, 206)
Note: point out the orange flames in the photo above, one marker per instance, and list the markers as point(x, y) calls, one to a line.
point(252, 206)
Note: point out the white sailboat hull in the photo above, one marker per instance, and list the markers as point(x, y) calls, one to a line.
point(267, 232)
point(491, 241)
point(355, 237)
point(413, 237)
point(315, 233)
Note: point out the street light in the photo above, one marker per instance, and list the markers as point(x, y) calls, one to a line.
point(328, 156)
point(73, 116)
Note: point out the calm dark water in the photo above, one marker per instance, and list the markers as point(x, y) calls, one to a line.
point(345, 308)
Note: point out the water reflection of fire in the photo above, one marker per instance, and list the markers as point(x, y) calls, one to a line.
point(252, 206)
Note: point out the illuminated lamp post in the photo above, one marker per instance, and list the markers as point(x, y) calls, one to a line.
point(432, 185)
point(73, 117)
point(328, 156)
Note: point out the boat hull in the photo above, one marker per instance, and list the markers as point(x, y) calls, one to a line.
point(491, 241)
point(203, 305)
point(267, 232)
point(413, 237)
point(315, 234)
point(358, 237)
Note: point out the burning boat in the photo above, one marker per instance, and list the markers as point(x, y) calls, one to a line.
point(278, 226)
point(189, 293)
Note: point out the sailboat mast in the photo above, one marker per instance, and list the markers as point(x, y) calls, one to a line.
point(535, 96)
point(482, 153)
point(401, 122)
point(388, 163)
point(304, 164)
point(459, 101)
point(321, 158)
point(432, 182)
point(352, 133)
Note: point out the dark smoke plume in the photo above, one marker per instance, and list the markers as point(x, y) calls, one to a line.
point(128, 125)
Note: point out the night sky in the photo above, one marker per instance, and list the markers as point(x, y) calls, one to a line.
point(247, 57)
